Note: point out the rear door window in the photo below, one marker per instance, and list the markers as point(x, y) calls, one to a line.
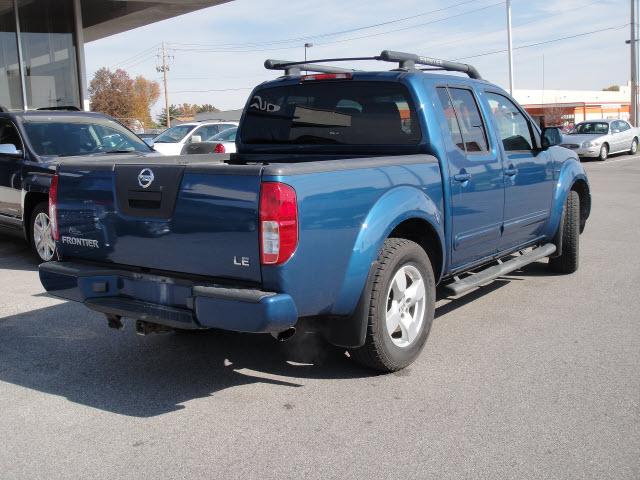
point(332, 113)
point(450, 115)
point(470, 121)
point(464, 119)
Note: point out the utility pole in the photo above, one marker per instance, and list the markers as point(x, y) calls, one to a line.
point(164, 68)
point(510, 41)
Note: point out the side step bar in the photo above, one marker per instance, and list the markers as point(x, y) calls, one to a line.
point(485, 276)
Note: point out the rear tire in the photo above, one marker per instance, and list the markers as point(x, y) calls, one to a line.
point(568, 261)
point(604, 153)
point(40, 237)
point(401, 302)
point(634, 147)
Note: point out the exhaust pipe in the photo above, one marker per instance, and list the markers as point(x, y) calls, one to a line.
point(145, 328)
point(285, 335)
point(115, 322)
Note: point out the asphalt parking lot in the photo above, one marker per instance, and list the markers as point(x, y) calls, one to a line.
point(534, 376)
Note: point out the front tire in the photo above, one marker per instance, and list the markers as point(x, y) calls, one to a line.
point(604, 152)
point(568, 260)
point(401, 303)
point(40, 235)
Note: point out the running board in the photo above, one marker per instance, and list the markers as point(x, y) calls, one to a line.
point(485, 276)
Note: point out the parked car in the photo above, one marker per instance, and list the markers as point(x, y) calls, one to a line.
point(601, 138)
point(148, 138)
point(223, 142)
point(173, 140)
point(352, 196)
point(31, 145)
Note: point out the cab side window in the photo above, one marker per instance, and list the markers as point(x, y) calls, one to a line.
point(513, 127)
point(464, 119)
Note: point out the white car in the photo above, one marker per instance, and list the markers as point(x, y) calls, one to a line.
point(600, 138)
point(174, 139)
point(223, 142)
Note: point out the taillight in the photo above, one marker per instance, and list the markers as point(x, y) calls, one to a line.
point(278, 223)
point(53, 208)
point(219, 148)
point(326, 76)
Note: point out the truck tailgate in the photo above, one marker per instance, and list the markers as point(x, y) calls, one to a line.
point(170, 214)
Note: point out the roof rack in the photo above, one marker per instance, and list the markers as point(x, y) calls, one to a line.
point(406, 62)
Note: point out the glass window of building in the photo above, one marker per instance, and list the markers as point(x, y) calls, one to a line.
point(10, 89)
point(49, 53)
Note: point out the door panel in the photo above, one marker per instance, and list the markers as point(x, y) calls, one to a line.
point(528, 174)
point(617, 137)
point(10, 173)
point(626, 136)
point(476, 181)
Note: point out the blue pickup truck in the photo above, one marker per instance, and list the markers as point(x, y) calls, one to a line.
point(352, 196)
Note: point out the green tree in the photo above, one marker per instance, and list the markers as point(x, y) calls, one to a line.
point(173, 111)
point(206, 108)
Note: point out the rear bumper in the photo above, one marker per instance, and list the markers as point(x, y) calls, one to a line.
point(169, 301)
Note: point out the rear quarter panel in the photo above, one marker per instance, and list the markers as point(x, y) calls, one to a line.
point(344, 217)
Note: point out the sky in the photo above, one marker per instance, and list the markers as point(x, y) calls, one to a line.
point(217, 54)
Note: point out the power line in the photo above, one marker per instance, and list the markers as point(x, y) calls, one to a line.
point(347, 39)
point(136, 56)
point(516, 26)
point(324, 35)
point(619, 27)
point(215, 90)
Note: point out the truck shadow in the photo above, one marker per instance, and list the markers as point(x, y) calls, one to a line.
point(16, 255)
point(65, 350)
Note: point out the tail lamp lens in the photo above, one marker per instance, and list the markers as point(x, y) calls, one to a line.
point(53, 208)
point(219, 148)
point(278, 223)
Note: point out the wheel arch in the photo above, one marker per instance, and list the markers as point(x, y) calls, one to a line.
point(401, 213)
point(423, 233)
point(31, 200)
point(582, 188)
point(572, 177)
point(397, 206)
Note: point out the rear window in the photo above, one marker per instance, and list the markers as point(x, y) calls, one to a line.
point(332, 113)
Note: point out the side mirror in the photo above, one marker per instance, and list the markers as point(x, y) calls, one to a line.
point(196, 139)
point(551, 137)
point(149, 141)
point(615, 130)
point(9, 149)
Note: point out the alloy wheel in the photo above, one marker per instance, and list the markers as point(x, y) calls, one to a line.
point(405, 306)
point(43, 237)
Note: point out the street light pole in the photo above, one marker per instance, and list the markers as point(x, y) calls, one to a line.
point(633, 113)
point(510, 41)
point(306, 47)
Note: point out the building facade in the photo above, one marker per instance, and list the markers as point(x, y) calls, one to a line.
point(568, 107)
point(42, 44)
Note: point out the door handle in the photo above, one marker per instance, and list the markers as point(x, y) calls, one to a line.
point(511, 172)
point(462, 177)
